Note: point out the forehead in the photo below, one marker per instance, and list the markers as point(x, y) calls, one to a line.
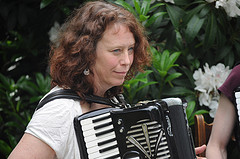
point(117, 31)
point(116, 28)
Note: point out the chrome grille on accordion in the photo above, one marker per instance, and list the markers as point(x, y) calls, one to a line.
point(155, 129)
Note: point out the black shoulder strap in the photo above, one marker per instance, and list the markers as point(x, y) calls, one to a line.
point(70, 94)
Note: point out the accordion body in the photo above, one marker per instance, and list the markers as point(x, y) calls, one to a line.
point(155, 129)
point(237, 109)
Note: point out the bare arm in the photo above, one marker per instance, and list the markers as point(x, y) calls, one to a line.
point(222, 129)
point(30, 147)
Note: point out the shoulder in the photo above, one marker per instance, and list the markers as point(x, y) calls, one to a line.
point(234, 76)
point(231, 83)
point(236, 71)
point(53, 123)
point(60, 105)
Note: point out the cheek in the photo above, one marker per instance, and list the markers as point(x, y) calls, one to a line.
point(111, 63)
point(132, 58)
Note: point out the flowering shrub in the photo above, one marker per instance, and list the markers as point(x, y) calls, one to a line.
point(207, 82)
point(53, 32)
point(230, 6)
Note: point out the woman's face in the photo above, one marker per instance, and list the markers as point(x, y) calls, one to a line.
point(114, 57)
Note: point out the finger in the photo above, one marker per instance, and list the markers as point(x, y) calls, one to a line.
point(200, 149)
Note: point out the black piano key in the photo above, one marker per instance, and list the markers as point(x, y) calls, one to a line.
point(106, 141)
point(102, 125)
point(108, 148)
point(101, 118)
point(104, 132)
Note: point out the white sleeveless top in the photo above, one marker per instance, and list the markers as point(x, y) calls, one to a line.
point(53, 124)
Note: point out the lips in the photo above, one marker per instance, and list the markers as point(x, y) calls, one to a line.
point(121, 72)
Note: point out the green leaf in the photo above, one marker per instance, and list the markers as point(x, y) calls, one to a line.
point(153, 18)
point(143, 18)
point(211, 31)
point(205, 10)
point(164, 60)
point(126, 6)
point(178, 91)
point(5, 149)
point(172, 77)
point(190, 108)
point(179, 40)
point(45, 3)
point(173, 58)
point(146, 84)
point(194, 11)
point(229, 60)
point(181, 2)
point(175, 14)
point(137, 6)
point(223, 52)
point(162, 73)
point(193, 27)
point(145, 7)
point(200, 112)
point(157, 5)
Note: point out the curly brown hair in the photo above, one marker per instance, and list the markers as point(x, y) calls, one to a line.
point(76, 46)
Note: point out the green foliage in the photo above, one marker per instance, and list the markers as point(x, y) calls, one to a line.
point(17, 103)
point(137, 88)
point(191, 112)
point(144, 11)
point(163, 64)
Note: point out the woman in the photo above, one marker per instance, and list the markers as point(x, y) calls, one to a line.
point(225, 118)
point(99, 47)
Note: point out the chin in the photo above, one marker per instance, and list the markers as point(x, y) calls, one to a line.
point(118, 83)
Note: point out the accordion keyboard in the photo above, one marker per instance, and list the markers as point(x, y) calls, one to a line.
point(100, 137)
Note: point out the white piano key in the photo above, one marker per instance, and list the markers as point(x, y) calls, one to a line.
point(97, 148)
point(91, 138)
point(237, 94)
point(91, 132)
point(98, 155)
point(89, 120)
point(110, 153)
point(91, 125)
point(94, 143)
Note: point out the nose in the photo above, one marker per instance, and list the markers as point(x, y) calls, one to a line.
point(126, 58)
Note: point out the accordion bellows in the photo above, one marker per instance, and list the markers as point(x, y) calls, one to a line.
point(155, 129)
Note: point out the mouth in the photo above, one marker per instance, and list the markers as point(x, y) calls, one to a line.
point(123, 73)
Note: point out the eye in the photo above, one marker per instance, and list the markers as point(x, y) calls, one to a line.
point(116, 50)
point(131, 50)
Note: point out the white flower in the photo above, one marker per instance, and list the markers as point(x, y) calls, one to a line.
point(207, 82)
point(53, 32)
point(230, 6)
point(170, 1)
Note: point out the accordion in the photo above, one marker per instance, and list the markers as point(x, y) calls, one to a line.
point(237, 109)
point(156, 129)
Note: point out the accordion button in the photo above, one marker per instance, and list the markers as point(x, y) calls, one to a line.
point(119, 121)
point(121, 130)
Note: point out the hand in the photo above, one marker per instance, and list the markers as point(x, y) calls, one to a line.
point(199, 150)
